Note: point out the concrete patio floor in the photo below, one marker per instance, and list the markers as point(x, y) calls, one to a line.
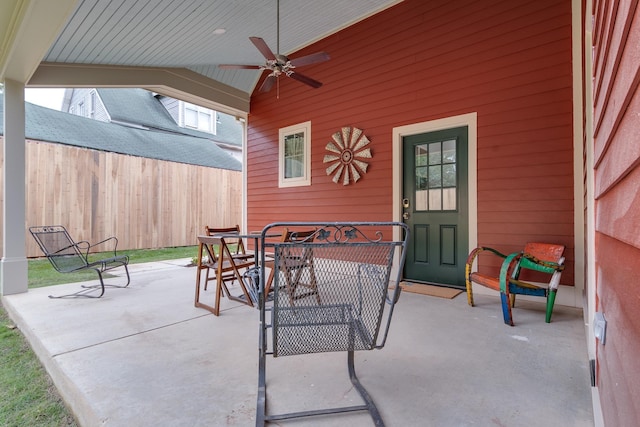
point(145, 356)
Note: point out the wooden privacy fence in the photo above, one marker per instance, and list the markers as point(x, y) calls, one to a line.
point(145, 203)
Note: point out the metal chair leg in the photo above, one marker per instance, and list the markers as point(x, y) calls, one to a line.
point(371, 406)
point(86, 290)
point(261, 409)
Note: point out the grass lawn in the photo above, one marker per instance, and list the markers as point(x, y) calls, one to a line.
point(41, 273)
point(27, 395)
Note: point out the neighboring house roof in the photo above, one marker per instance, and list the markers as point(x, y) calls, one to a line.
point(139, 106)
point(44, 124)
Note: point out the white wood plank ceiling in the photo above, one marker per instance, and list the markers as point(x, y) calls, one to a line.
point(181, 33)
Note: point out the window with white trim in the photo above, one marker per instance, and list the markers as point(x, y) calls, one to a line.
point(196, 117)
point(294, 155)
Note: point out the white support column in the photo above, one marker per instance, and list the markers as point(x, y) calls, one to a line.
point(13, 266)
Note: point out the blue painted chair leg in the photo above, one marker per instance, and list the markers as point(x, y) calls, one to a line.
point(506, 309)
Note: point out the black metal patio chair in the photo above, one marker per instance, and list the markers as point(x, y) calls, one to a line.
point(354, 265)
point(68, 256)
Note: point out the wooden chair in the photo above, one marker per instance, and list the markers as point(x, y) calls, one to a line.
point(236, 245)
point(542, 257)
point(297, 268)
point(353, 269)
point(69, 256)
point(215, 255)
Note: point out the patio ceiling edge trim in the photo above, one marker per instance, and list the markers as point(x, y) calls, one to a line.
point(27, 30)
point(178, 83)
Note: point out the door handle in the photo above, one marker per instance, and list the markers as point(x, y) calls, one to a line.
point(405, 216)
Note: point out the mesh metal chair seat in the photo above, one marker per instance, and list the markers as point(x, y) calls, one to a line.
point(69, 256)
point(353, 266)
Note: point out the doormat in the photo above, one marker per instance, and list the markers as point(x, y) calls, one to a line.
point(431, 290)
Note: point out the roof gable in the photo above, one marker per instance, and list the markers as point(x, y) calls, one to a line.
point(44, 124)
point(141, 107)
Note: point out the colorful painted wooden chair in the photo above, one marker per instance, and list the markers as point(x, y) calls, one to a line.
point(542, 257)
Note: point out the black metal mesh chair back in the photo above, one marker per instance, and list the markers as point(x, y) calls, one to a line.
point(57, 245)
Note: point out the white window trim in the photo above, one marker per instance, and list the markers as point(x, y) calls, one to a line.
point(305, 179)
point(92, 103)
point(212, 117)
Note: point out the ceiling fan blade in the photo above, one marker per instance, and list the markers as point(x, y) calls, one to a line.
point(310, 59)
point(267, 84)
point(240, 67)
point(263, 48)
point(306, 80)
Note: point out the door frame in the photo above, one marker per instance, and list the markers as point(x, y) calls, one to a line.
point(469, 120)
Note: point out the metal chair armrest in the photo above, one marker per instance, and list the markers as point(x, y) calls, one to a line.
point(115, 245)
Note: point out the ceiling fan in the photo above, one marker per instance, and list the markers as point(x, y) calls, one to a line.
point(278, 64)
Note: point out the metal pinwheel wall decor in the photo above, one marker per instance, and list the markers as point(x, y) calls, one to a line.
point(347, 155)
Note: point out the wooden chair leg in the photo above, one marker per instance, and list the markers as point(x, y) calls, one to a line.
point(216, 308)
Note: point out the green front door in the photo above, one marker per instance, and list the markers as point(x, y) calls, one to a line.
point(435, 205)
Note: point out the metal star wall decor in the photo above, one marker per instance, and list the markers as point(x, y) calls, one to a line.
point(346, 154)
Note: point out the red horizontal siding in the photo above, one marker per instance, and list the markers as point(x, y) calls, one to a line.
point(618, 212)
point(619, 365)
point(619, 61)
point(617, 185)
point(623, 156)
point(421, 60)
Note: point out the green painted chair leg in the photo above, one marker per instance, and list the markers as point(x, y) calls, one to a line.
point(551, 299)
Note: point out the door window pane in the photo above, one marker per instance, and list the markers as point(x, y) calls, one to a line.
point(422, 153)
point(449, 151)
point(421, 200)
point(449, 175)
point(449, 199)
point(435, 153)
point(422, 173)
point(436, 176)
point(435, 200)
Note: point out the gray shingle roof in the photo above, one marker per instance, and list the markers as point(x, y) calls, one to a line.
point(44, 124)
point(137, 106)
point(141, 107)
